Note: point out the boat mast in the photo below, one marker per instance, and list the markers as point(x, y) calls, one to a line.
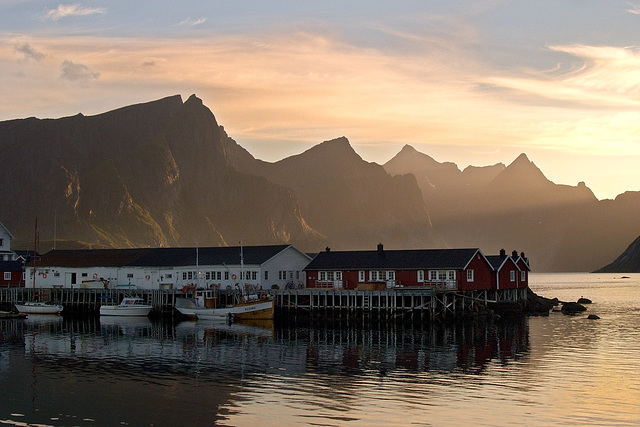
point(241, 268)
point(35, 247)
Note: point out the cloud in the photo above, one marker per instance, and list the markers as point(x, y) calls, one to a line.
point(190, 22)
point(65, 10)
point(635, 9)
point(28, 51)
point(77, 72)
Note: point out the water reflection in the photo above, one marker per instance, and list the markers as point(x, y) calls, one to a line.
point(155, 372)
point(265, 347)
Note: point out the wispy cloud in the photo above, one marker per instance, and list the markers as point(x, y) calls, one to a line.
point(607, 77)
point(634, 9)
point(66, 10)
point(77, 72)
point(28, 51)
point(191, 22)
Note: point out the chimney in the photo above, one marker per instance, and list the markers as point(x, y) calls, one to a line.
point(380, 248)
point(327, 249)
point(514, 254)
point(503, 253)
point(522, 255)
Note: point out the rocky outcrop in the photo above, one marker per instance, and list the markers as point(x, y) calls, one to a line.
point(627, 262)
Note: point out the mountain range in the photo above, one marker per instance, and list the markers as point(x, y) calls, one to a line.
point(165, 173)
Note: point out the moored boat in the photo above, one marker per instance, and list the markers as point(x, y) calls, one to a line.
point(130, 306)
point(253, 310)
point(247, 309)
point(37, 307)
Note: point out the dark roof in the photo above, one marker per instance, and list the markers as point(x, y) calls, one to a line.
point(226, 255)
point(497, 261)
point(11, 265)
point(445, 259)
point(159, 257)
point(89, 257)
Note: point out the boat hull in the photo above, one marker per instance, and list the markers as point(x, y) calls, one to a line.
point(116, 310)
point(262, 310)
point(39, 308)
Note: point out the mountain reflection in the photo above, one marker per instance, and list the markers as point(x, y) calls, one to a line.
point(268, 348)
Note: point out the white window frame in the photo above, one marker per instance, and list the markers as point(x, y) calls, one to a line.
point(420, 275)
point(523, 276)
point(361, 276)
point(391, 275)
point(512, 276)
point(470, 275)
point(7, 275)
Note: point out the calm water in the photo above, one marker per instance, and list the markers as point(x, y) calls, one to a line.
point(554, 370)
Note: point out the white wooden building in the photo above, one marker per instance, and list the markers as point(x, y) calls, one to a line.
point(257, 267)
point(5, 244)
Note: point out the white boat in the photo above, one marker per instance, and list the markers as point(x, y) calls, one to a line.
point(249, 309)
point(36, 307)
point(130, 306)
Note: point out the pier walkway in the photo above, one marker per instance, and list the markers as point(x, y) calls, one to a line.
point(427, 304)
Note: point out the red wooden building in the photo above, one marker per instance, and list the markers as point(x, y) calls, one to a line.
point(455, 269)
point(509, 272)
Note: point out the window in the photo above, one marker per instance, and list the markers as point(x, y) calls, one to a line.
point(433, 275)
point(56, 274)
point(391, 275)
point(184, 275)
point(523, 276)
point(254, 275)
point(226, 275)
point(169, 276)
point(84, 274)
point(130, 275)
point(207, 275)
point(512, 276)
point(338, 275)
point(298, 275)
point(361, 276)
point(451, 275)
point(291, 275)
point(421, 275)
point(266, 275)
point(7, 275)
point(469, 275)
point(282, 275)
point(1, 242)
point(442, 276)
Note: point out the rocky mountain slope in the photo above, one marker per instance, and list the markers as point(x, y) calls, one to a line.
point(561, 227)
point(627, 262)
point(145, 175)
point(165, 173)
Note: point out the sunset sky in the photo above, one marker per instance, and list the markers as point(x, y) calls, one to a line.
point(471, 82)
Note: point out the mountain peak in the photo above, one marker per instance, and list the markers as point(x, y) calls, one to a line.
point(193, 99)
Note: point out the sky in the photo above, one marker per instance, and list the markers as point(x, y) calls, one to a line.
point(470, 82)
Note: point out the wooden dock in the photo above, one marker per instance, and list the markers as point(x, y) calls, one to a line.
point(383, 305)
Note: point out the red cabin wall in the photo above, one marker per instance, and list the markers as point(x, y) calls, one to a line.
point(523, 267)
point(505, 276)
point(16, 279)
point(407, 278)
point(481, 275)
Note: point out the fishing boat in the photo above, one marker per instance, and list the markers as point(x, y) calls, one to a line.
point(130, 307)
point(247, 309)
point(38, 307)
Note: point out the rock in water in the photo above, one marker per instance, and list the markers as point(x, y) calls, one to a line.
point(593, 317)
point(583, 300)
point(572, 308)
